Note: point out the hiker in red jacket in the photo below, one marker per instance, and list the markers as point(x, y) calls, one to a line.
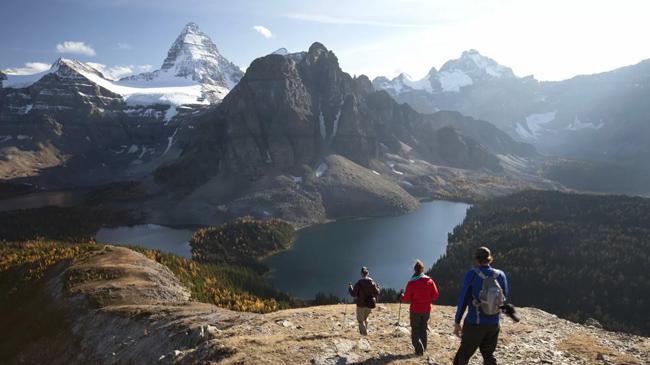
point(420, 292)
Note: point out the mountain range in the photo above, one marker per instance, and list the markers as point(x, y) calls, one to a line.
point(71, 118)
point(599, 119)
point(293, 137)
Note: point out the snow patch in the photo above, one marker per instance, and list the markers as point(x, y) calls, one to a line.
point(170, 113)
point(392, 167)
point(133, 149)
point(4, 139)
point(296, 179)
point(486, 64)
point(22, 137)
point(144, 150)
point(577, 125)
point(533, 126)
point(512, 160)
point(375, 172)
point(335, 127)
point(170, 140)
point(320, 170)
point(453, 80)
point(281, 51)
point(22, 81)
point(321, 123)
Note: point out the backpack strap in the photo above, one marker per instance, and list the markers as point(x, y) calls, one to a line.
point(480, 273)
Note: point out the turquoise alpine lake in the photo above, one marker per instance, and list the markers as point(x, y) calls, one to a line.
point(326, 257)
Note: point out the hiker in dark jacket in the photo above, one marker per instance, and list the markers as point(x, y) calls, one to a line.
point(365, 291)
point(420, 292)
point(484, 291)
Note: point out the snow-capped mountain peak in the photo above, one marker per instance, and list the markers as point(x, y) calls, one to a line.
point(193, 59)
point(65, 66)
point(477, 66)
point(281, 51)
point(62, 67)
point(193, 55)
point(472, 67)
point(296, 56)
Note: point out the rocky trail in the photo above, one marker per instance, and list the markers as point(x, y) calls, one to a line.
point(328, 335)
point(118, 307)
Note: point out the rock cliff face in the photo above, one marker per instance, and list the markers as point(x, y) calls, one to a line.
point(289, 111)
point(72, 126)
point(90, 129)
point(324, 134)
point(292, 130)
point(116, 307)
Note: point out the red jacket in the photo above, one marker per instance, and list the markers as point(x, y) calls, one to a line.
point(420, 292)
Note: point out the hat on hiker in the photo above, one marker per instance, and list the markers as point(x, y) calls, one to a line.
point(483, 254)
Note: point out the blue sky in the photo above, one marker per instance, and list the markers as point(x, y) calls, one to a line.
point(552, 39)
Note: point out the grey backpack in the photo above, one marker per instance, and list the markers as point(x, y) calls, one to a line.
point(490, 298)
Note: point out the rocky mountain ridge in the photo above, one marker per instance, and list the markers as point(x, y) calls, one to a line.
point(70, 126)
point(472, 67)
point(291, 140)
point(117, 306)
point(599, 118)
point(300, 130)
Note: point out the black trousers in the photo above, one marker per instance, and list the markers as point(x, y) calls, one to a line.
point(419, 331)
point(483, 337)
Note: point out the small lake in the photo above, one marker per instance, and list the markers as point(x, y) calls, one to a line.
point(326, 257)
point(167, 239)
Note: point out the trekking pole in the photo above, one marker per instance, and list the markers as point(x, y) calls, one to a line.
point(399, 313)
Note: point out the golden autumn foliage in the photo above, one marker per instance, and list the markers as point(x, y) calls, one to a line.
point(226, 286)
point(36, 256)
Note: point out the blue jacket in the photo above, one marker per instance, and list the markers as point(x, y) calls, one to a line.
point(471, 287)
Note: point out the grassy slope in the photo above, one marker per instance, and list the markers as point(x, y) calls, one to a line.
point(227, 286)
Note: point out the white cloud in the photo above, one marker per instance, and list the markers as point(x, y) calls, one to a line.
point(124, 46)
point(117, 72)
point(29, 69)
point(264, 31)
point(76, 48)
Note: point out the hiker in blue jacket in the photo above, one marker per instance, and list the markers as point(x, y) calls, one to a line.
point(483, 293)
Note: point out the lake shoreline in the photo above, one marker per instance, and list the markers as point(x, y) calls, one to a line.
point(428, 227)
